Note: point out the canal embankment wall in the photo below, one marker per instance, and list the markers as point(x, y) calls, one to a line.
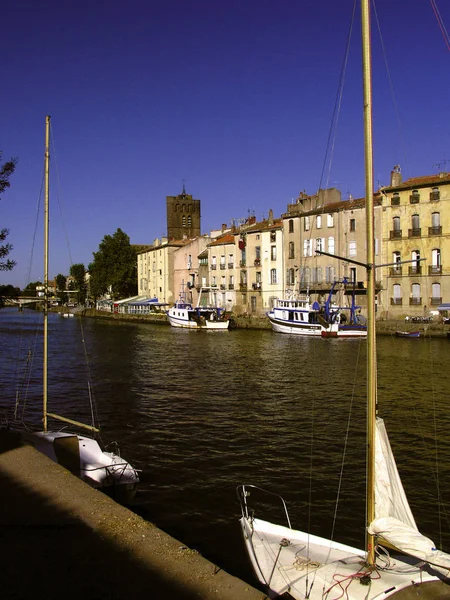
point(62, 539)
point(383, 327)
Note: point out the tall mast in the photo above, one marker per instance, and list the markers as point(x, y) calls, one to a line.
point(371, 334)
point(46, 236)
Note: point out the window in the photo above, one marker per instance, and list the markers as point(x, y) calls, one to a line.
point(331, 245)
point(353, 274)
point(214, 280)
point(291, 250)
point(330, 274)
point(189, 220)
point(307, 248)
point(319, 244)
point(273, 253)
point(319, 222)
point(436, 257)
point(415, 197)
point(352, 224)
point(330, 220)
point(435, 293)
point(290, 276)
point(395, 200)
point(415, 290)
point(396, 223)
point(273, 276)
point(189, 261)
point(230, 261)
point(396, 257)
point(273, 236)
point(435, 219)
point(397, 293)
point(258, 252)
point(183, 220)
point(319, 276)
point(415, 222)
point(306, 224)
point(352, 249)
point(435, 194)
point(291, 226)
point(305, 276)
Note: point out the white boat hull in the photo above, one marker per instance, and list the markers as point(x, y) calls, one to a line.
point(307, 566)
point(83, 457)
point(297, 328)
point(188, 319)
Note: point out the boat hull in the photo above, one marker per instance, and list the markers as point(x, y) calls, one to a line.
point(286, 560)
point(192, 319)
point(83, 457)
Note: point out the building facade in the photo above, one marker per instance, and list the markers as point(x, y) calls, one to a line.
point(416, 228)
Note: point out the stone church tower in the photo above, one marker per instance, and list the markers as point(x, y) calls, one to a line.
point(183, 216)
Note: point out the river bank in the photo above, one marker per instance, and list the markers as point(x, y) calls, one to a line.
point(385, 327)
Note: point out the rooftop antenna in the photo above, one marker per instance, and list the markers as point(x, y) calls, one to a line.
point(439, 165)
point(184, 189)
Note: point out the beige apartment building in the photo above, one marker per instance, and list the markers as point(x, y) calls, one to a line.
point(326, 223)
point(416, 241)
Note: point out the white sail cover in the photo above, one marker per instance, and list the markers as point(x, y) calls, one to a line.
point(394, 521)
point(390, 497)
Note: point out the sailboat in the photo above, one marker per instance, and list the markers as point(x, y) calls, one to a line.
point(82, 455)
point(398, 561)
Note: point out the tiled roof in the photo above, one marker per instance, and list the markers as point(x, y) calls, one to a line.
point(425, 180)
point(333, 207)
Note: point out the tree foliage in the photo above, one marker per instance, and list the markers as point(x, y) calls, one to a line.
point(6, 170)
point(114, 267)
point(61, 281)
point(78, 272)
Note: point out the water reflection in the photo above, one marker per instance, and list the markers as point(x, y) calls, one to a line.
point(201, 412)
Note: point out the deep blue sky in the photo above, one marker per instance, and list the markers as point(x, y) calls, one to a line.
point(235, 98)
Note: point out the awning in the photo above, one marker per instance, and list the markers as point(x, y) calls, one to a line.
point(445, 306)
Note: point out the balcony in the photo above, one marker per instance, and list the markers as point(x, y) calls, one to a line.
point(257, 262)
point(414, 199)
point(395, 234)
point(231, 286)
point(242, 263)
point(257, 285)
point(213, 267)
point(395, 271)
point(231, 265)
point(435, 230)
point(396, 301)
point(243, 287)
point(435, 301)
point(415, 301)
point(434, 269)
point(222, 266)
point(395, 201)
point(414, 232)
point(223, 286)
point(415, 270)
point(435, 196)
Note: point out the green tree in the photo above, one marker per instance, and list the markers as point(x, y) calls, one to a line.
point(114, 267)
point(61, 281)
point(78, 272)
point(6, 170)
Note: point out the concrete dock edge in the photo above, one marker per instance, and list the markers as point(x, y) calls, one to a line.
point(61, 539)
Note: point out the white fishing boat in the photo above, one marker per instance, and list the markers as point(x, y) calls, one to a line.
point(397, 561)
point(82, 455)
point(183, 314)
point(300, 316)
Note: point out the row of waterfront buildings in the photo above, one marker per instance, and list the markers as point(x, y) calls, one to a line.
point(246, 267)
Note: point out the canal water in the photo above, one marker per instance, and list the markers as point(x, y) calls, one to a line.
point(201, 412)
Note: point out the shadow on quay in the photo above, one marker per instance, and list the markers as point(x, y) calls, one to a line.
point(61, 539)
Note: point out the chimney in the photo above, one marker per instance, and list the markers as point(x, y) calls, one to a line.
point(396, 176)
point(270, 216)
point(224, 226)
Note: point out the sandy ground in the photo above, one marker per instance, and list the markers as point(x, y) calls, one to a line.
point(61, 539)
